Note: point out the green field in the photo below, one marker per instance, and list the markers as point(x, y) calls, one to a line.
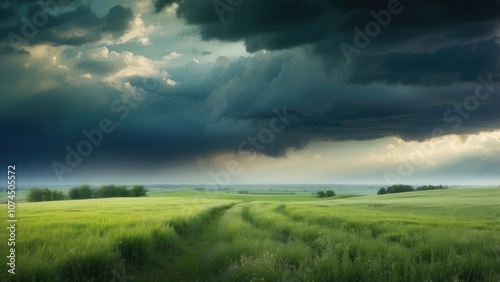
point(445, 235)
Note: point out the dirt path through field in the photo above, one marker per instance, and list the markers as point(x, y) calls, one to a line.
point(190, 262)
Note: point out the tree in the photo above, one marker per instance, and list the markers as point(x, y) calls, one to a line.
point(74, 193)
point(41, 195)
point(35, 195)
point(85, 192)
point(430, 187)
point(330, 193)
point(381, 191)
point(106, 191)
point(81, 192)
point(321, 194)
point(57, 195)
point(399, 188)
point(122, 191)
point(138, 191)
point(46, 195)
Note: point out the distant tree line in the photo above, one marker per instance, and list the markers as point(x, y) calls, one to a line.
point(106, 191)
point(400, 188)
point(86, 192)
point(42, 195)
point(327, 194)
point(431, 187)
point(212, 189)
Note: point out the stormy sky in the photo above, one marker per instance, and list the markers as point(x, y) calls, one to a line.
point(250, 91)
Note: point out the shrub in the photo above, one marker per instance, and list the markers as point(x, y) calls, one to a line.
point(381, 191)
point(85, 192)
point(57, 195)
point(74, 194)
point(35, 195)
point(431, 187)
point(41, 195)
point(138, 191)
point(321, 194)
point(80, 192)
point(399, 188)
point(407, 188)
point(106, 191)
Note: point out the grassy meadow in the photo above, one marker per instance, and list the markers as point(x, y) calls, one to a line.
point(442, 235)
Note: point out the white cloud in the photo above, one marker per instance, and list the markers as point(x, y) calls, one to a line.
point(171, 56)
point(436, 150)
point(172, 9)
point(138, 32)
point(97, 53)
point(62, 67)
point(124, 65)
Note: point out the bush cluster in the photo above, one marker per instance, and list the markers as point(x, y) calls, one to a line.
point(42, 195)
point(430, 187)
point(86, 192)
point(106, 191)
point(327, 194)
point(400, 188)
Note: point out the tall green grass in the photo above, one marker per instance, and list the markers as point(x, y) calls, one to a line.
point(89, 240)
point(449, 235)
point(435, 236)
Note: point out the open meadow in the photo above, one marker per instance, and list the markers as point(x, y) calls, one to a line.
point(441, 235)
point(240, 140)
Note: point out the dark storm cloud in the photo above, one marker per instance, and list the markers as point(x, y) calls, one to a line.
point(99, 67)
point(420, 33)
point(215, 107)
point(7, 50)
point(32, 24)
point(7, 14)
point(419, 75)
point(443, 67)
point(118, 20)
